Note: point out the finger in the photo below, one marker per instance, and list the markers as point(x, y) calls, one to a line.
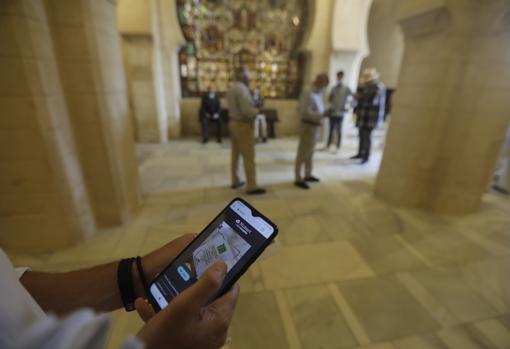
point(223, 308)
point(155, 261)
point(144, 309)
point(195, 297)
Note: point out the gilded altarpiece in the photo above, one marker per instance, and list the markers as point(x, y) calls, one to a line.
point(221, 35)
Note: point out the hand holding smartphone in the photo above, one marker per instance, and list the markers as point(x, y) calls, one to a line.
point(237, 236)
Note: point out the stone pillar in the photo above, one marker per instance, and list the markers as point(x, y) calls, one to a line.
point(386, 41)
point(349, 39)
point(502, 177)
point(451, 109)
point(317, 43)
point(44, 204)
point(169, 41)
point(92, 73)
point(151, 40)
point(139, 58)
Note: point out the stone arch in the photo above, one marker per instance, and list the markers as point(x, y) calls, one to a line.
point(385, 40)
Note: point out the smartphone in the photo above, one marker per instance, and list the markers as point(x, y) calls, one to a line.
point(237, 236)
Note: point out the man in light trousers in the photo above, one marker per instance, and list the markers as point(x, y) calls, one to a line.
point(311, 110)
point(242, 113)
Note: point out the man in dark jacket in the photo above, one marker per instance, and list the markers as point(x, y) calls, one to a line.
point(210, 110)
point(370, 109)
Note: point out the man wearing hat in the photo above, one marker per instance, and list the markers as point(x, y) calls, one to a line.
point(371, 100)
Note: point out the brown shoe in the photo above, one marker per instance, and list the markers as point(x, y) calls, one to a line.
point(258, 191)
point(302, 185)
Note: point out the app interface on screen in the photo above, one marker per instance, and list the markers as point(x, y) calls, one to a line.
point(234, 237)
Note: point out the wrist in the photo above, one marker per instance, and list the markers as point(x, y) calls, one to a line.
point(137, 282)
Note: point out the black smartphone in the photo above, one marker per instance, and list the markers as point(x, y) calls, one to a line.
point(237, 236)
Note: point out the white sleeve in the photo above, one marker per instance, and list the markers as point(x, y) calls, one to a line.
point(80, 330)
point(133, 343)
point(21, 271)
point(309, 108)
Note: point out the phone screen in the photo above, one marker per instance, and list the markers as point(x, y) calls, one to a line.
point(236, 236)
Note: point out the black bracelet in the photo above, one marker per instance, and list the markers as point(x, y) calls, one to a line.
point(143, 279)
point(125, 283)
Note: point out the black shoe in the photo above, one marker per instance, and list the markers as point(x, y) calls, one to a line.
point(302, 185)
point(355, 157)
point(364, 161)
point(312, 179)
point(264, 140)
point(258, 191)
point(204, 141)
point(237, 186)
point(219, 141)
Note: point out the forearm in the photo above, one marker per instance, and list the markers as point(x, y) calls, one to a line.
point(94, 288)
point(312, 115)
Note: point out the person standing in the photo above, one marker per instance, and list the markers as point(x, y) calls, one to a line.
point(210, 111)
point(371, 100)
point(242, 113)
point(338, 102)
point(311, 110)
point(260, 119)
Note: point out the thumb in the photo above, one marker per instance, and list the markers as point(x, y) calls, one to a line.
point(144, 309)
point(195, 297)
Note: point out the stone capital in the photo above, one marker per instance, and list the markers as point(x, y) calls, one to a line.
point(422, 17)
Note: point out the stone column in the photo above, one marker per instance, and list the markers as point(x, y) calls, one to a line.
point(451, 110)
point(139, 57)
point(386, 41)
point(317, 42)
point(92, 73)
point(502, 177)
point(168, 41)
point(151, 40)
point(44, 204)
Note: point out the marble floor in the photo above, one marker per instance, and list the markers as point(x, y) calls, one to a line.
point(348, 270)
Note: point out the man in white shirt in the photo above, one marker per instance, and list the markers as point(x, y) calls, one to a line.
point(311, 110)
point(75, 297)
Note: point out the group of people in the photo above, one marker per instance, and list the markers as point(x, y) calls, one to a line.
point(369, 105)
point(368, 101)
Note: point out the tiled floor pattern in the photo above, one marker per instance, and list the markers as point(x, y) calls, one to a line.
point(348, 271)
